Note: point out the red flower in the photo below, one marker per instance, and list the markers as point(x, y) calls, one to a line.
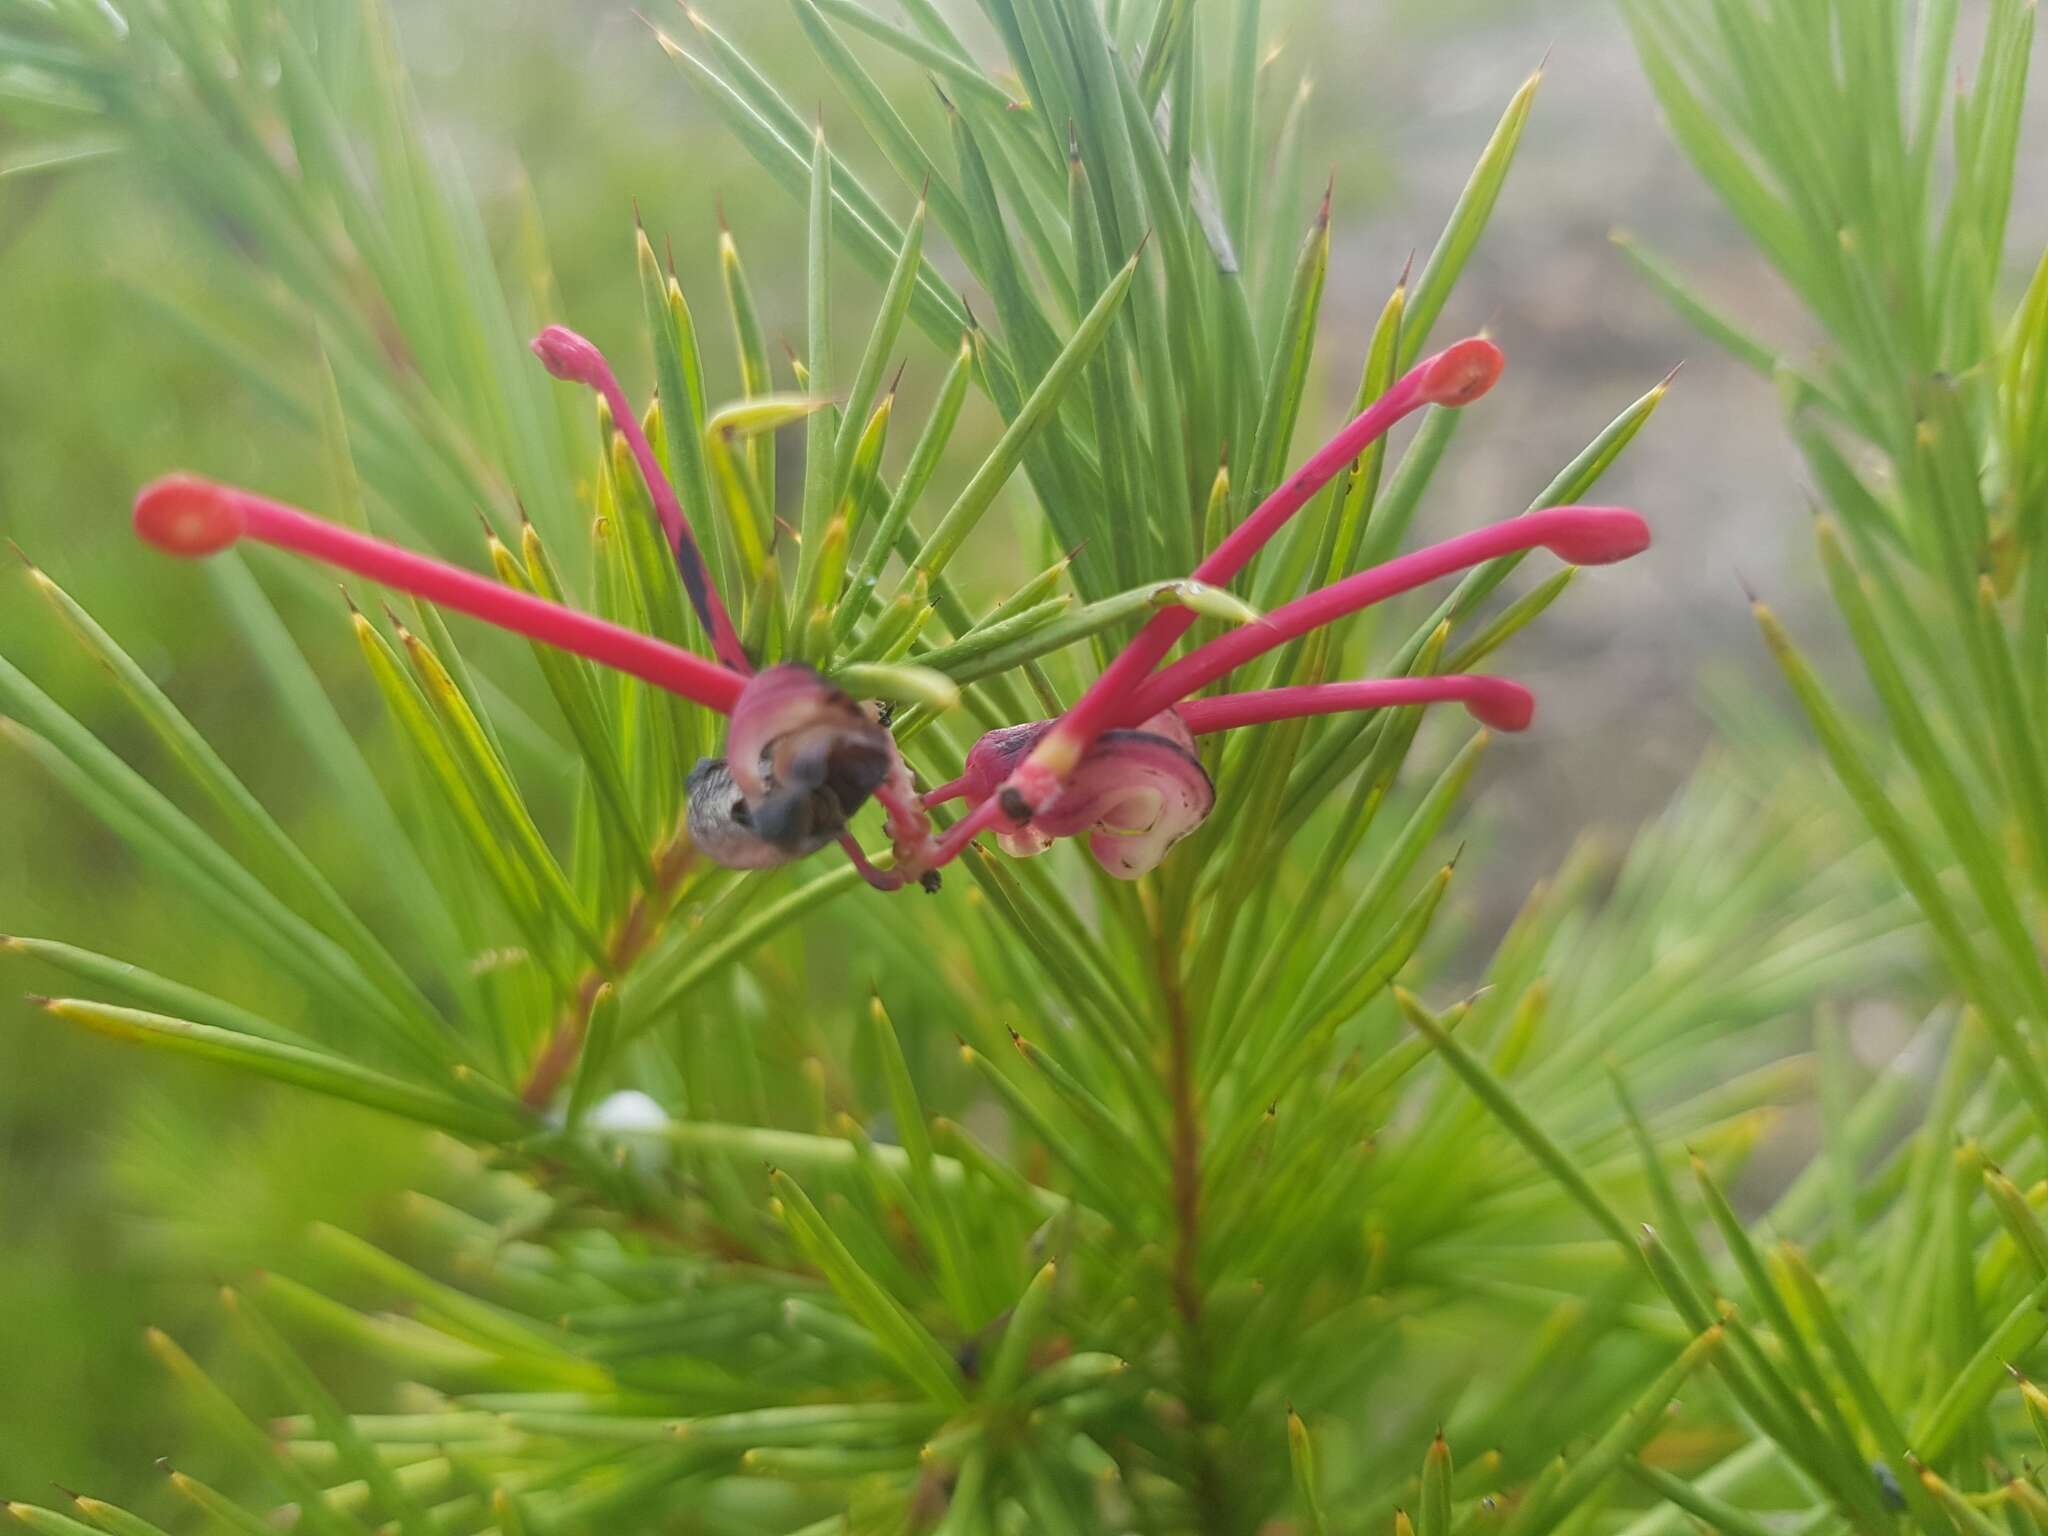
point(803, 756)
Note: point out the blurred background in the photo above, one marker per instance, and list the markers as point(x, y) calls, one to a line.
point(128, 1185)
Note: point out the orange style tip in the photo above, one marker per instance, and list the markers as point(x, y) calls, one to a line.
point(1462, 372)
point(189, 516)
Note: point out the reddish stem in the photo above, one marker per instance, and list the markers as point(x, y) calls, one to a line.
point(1492, 701)
point(1581, 535)
point(642, 923)
point(1458, 375)
point(186, 515)
point(576, 359)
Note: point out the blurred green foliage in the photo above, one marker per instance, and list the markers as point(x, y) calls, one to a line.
point(566, 1315)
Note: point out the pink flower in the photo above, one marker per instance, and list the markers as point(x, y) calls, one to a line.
point(1137, 792)
point(1130, 693)
point(1141, 789)
point(803, 757)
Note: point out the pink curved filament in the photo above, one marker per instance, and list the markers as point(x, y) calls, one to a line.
point(189, 516)
point(880, 879)
point(1581, 535)
point(575, 359)
point(1492, 701)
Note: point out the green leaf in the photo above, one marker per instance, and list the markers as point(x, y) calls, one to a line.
point(1301, 1457)
point(302, 1066)
point(1446, 263)
point(980, 491)
point(916, 1352)
point(1505, 1107)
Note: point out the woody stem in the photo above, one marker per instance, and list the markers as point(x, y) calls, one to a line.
point(629, 941)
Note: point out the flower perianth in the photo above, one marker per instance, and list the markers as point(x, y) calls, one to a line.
point(1135, 794)
point(1456, 376)
point(801, 758)
point(1492, 701)
point(187, 515)
point(575, 359)
point(1581, 535)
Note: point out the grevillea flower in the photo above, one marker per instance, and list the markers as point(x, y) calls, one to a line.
point(1136, 793)
point(1045, 778)
point(1140, 789)
point(802, 756)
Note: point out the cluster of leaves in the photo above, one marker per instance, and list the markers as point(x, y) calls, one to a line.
point(1923, 422)
point(1881, 195)
point(1101, 1179)
point(853, 1306)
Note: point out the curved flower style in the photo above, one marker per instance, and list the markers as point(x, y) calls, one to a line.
point(803, 756)
point(1128, 692)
